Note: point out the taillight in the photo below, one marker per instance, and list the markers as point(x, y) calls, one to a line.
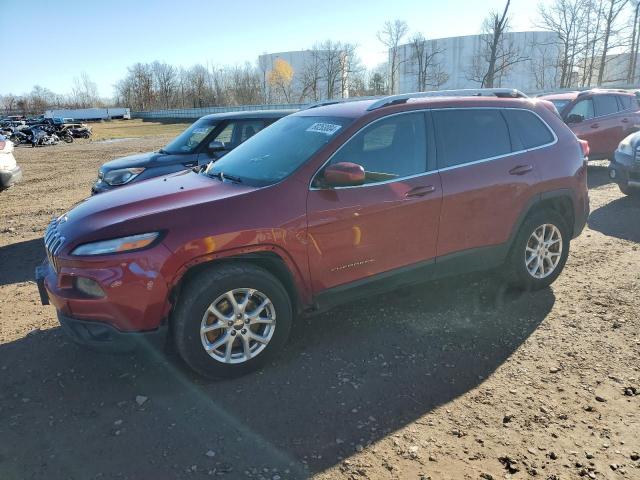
point(584, 145)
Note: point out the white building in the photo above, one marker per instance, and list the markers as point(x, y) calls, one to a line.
point(461, 60)
point(317, 74)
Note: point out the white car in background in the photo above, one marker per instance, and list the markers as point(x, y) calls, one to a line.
point(10, 172)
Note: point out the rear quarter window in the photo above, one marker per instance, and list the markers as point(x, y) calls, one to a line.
point(528, 128)
point(468, 135)
point(628, 102)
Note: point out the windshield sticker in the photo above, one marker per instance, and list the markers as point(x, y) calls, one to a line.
point(326, 128)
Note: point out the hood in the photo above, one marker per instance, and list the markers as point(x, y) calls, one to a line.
point(151, 205)
point(138, 160)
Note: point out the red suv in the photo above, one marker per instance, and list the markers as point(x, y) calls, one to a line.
point(326, 205)
point(601, 117)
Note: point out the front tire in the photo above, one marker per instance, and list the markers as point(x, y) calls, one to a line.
point(629, 191)
point(231, 319)
point(540, 251)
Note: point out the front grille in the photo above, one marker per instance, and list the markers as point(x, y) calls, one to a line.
point(53, 242)
point(638, 156)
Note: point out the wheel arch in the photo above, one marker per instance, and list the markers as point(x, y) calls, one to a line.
point(269, 260)
point(560, 201)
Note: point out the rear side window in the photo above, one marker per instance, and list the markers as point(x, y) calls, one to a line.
point(528, 128)
point(627, 102)
point(605, 105)
point(467, 135)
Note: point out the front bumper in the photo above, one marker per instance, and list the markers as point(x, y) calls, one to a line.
point(98, 335)
point(625, 170)
point(10, 177)
point(102, 336)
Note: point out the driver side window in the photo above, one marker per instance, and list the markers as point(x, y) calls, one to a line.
point(584, 108)
point(390, 148)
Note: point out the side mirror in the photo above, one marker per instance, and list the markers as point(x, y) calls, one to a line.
point(216, 146)
point(344, 174)
point(575, 118)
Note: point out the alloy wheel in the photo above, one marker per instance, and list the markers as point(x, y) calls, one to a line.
point(543, 251)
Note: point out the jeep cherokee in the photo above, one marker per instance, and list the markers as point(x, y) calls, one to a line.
point(329, 204)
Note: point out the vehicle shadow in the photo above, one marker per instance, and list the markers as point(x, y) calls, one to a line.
point(347, 379)
point(618, 219)
point(598, 175)
point(19, 260)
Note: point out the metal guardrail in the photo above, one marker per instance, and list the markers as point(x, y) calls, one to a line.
point(195, 113)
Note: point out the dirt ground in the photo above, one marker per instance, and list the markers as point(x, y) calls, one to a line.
point(456, 379)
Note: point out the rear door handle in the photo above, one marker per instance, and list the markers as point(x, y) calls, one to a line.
point(595, 125)
point(190, 164)
point(521, 170)
point(420, 191)
point(625, 120)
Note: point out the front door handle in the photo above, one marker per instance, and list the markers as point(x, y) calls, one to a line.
point(625, 120)
point(420, 191)
point(521, 170)
point(190, 164)
point(595, 125)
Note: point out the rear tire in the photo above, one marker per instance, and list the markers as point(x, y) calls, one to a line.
point(219, 337)
point(539, 251)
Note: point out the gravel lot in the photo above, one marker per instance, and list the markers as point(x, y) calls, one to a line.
point(455, 379)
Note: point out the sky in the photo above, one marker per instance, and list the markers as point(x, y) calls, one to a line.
point(102, 38)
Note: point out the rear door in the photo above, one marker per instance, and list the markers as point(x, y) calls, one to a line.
point(629, 117)
point(488, 173)
point(609, 124)
point(388, 223)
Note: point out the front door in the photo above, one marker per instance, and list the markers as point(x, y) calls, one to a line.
point(387, 223)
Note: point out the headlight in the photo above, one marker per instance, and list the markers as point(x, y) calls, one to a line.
point(123, 244)
point(122, 176)
point(625, 147)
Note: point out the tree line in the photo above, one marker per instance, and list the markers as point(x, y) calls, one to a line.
point(589, 34)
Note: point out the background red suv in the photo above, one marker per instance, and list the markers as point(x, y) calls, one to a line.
point(601, 117)
point(329, 204)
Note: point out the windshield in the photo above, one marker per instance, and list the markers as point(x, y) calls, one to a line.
point(277, 151)
point(560, 104)
point(189, 140)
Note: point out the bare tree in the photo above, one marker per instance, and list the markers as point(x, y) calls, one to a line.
point(84, 92)
point(497, 53)
point(390, 36)
point(634, 42)
point(426, 59)
point(165, 77)
point(567, 18)
point(614, 7)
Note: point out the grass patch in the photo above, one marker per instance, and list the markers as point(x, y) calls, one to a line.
point(133, 128)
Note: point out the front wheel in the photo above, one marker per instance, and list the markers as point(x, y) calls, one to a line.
point(630, 191)
point(231, 320)
point(539, 251)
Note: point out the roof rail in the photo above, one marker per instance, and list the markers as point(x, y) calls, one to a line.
point(468, 92)
point(606, 90)
point(333, 101)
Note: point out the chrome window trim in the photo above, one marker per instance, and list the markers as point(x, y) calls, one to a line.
point(436, 170)
point(619, 112)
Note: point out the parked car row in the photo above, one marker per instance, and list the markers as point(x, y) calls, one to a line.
point(334, 202)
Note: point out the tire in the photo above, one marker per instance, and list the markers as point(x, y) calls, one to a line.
point(630, 191)
point(212, 287)
point(518, 271)
point(68, 139)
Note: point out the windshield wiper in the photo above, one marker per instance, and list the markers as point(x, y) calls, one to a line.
point(223, 176)
point(162, 150)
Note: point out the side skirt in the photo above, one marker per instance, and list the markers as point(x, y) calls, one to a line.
point(467, 261)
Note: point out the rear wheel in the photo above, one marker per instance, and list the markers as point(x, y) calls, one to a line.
point(231, 320)
point(539, 251)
